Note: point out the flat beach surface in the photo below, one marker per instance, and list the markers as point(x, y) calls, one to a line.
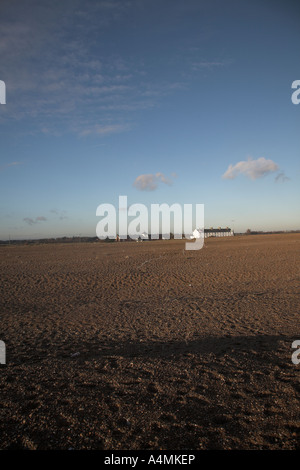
point(128, 346)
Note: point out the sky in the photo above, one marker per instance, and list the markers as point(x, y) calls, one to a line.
point(162, 101)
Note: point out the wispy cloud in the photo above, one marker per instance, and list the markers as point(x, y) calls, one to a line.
point(58, 81)
point(105, 129)
point(150, 182)
point(281, 177)
point(3, 167)
point(64, 80)
point(62, 215)
point(210, 64)
point(253, 169)
point(63, 84)
point(31, 221)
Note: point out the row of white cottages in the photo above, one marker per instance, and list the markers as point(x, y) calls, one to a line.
point(211, 232)
point(216, 232)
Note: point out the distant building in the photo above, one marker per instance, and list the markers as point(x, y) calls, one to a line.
point(208, 232)
point(218, 232)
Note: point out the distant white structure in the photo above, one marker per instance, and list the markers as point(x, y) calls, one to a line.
point(218, 232)
point(196, 234)
point(213, 232)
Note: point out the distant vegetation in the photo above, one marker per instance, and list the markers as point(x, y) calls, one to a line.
point(261, 232)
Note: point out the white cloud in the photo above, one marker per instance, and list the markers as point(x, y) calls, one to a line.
point(149, 182)
point(163, 179)
point(145, 182)
point(253, 169)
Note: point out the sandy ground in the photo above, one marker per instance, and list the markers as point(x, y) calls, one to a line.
point(148, 346)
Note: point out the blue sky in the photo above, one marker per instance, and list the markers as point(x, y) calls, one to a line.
point(164, 101)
